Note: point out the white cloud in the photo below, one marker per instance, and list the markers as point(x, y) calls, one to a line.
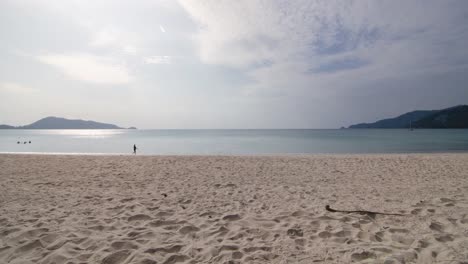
point(263, 56)
point(104, 38)
point(113, 39)
point(158, 60)
point(130, 49)
point(89, 68)
point(16, 88)
point(382, 38)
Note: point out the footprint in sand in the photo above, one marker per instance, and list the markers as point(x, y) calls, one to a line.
point(32, 233)
point(165, 213)
point(228, 248)
point(139, 217)
point(4, 248)
point(295, 232)
point(324, 234)
point(29, 246)
point(403, 257)
point(233, 217)
point(254, 249)
point(379, 236)
point(9, 231)
point(175, 259)
point(436, 227)
point(188, 229)
point(169, 249)
point(405, 240)
point(446, 200)
point(148, 261)
point(398, 230)
point(116, 257)
point(360, 256)
point(221, 231)
point(101, 228)
point(127, 200)
point(444, 238)
point(123, 245)
point(300, 242)
point(342, 233)
point(58, 244)
point(159, 223)
point(383, 250)
point(423, 244)
point(237, 236)
point(237, 255)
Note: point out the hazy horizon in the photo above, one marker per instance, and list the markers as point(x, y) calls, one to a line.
point(230, 64)
point(213, 128)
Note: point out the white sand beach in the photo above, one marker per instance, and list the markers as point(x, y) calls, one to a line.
point(229, 209)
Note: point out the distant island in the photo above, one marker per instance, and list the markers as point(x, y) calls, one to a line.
point(53, 122)
point(453, 117)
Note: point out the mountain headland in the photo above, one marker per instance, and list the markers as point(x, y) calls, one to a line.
point(53, 122)
point(452, 117)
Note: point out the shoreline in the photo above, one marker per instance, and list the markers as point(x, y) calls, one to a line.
point(234, 209)
point(461, 152)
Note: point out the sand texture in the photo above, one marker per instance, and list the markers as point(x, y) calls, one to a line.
point(197, 209)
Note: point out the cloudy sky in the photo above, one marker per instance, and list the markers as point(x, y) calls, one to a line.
point(230, 64)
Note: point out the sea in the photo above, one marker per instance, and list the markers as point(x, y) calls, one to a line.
point(234, 141)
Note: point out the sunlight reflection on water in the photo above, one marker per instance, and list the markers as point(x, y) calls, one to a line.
point(83, 133)
point(214, 142)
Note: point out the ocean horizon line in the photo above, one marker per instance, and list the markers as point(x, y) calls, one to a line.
point(446, 152)
point(229, 141)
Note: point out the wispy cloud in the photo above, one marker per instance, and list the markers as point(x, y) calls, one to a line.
point(387, 37)
point(249, 63)
point(104, 38)
point(340, 65)
point(129, 49)
point(88, 68)
point(158, 60)
point(16, 88)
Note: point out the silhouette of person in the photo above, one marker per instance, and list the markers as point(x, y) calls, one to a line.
point(134, 148)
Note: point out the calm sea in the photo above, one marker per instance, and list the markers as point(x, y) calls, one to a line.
point(200, 142)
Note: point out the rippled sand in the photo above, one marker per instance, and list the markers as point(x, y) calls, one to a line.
point(213, 209)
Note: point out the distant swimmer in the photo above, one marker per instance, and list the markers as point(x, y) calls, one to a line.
point(134, 149)
point(18, 142)
point(29, 141)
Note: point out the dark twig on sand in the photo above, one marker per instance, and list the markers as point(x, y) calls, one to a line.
point(357, 211)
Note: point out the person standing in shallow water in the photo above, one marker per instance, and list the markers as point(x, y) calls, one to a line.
point(134, 149)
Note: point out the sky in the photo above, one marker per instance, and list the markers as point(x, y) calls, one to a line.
point(230, 64)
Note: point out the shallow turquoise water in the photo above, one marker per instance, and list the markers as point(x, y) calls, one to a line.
point(188, 142)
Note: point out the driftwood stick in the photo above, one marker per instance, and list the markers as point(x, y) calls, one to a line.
point(328, 208)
